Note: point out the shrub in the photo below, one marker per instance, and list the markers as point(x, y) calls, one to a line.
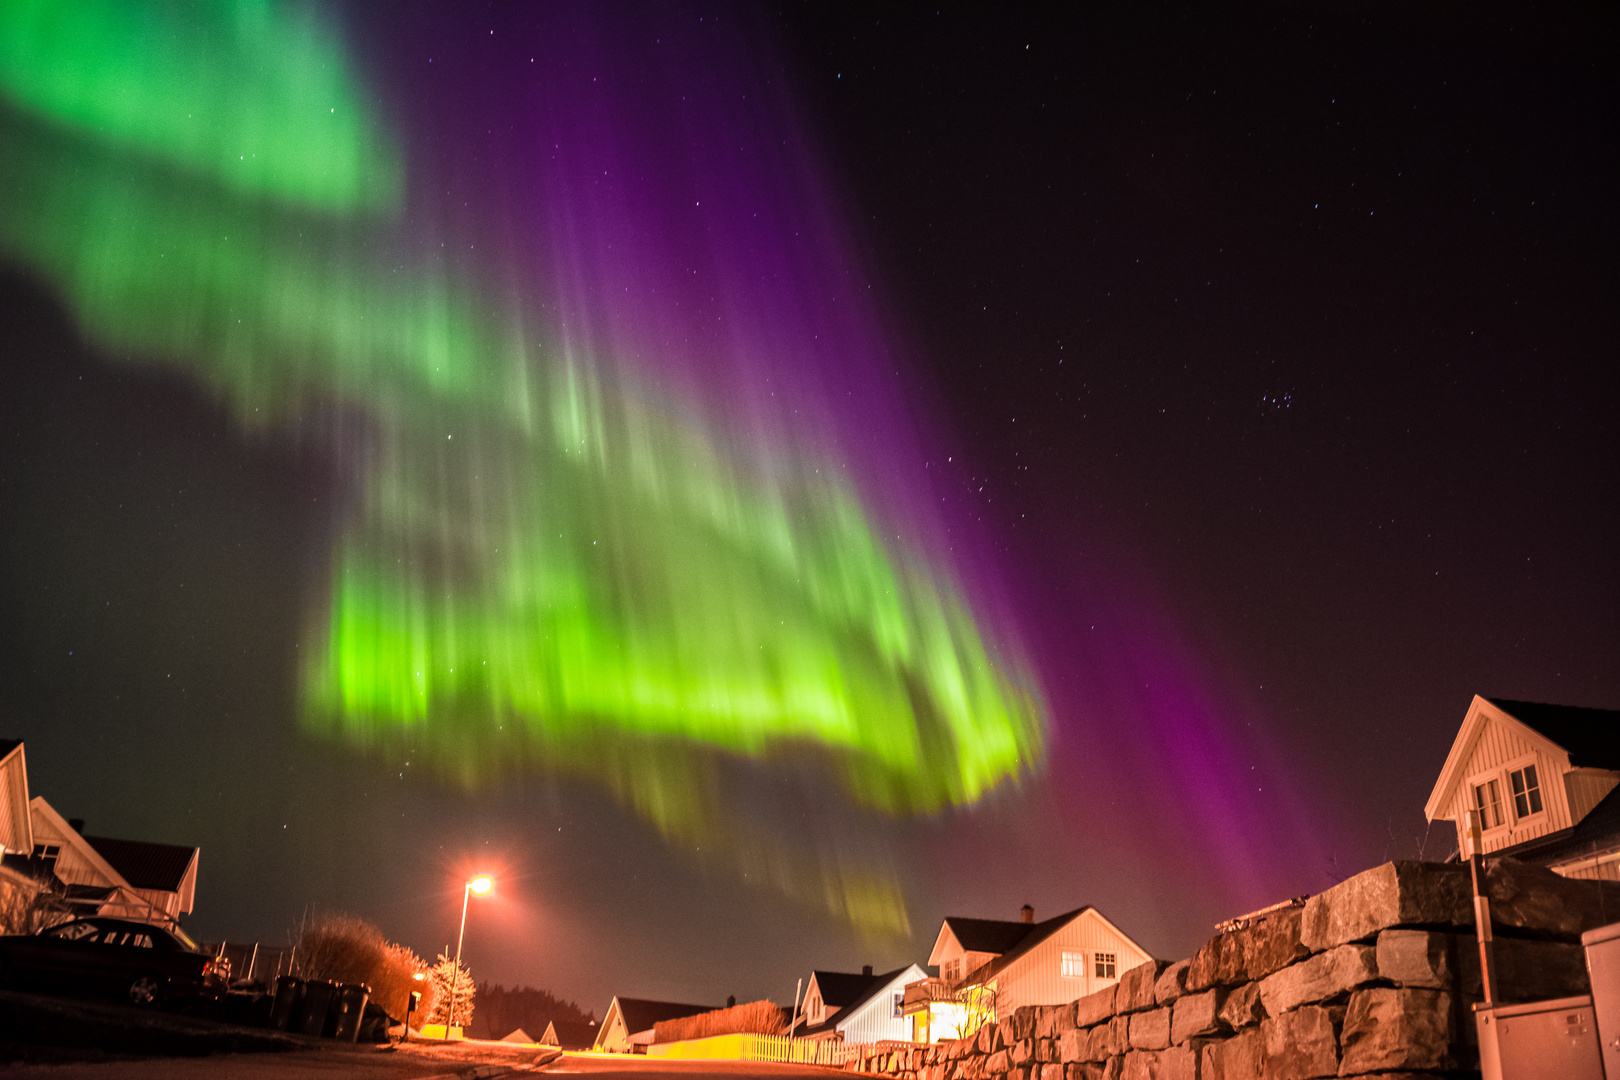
point(27, 911)
point(453, 993)
point(756, 1018)
point(344, 948)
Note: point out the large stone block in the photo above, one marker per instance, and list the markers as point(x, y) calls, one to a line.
point(1301, 1044)
point(1150, 1030)
point(1533, 898)
point(997, 1063)
point(1119, 1035)
point(989, 1039)
point(1063, 1019)
point(1395, 894)
point(1243, 1007)
point(1323, 976)
point(1397, 1028)
point(1074, 1044)
point(1526, 969)
point(1021, 1052)
point(1046, 1021)
point(1237, 1058)
point(1179, 1062)
point(1095, 1008)
point(1113, 1067)
point(1196, 1014)
point(1135, 990)
point(1082, 1071)
point(1171, 983)
point(1141, 1065)
point(1248, 954)
point(1051, 1071)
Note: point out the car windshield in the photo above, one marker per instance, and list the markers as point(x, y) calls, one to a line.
point(73, 931)
point(185, 939)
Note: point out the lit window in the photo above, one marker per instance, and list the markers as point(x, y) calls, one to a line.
point(900, 1003)
point(1105, 965)
point(1074, 965)
point(1526, 791)
point(1488, 801)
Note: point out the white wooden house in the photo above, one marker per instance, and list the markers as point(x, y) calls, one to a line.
point(87, 875)
point(1006, 965)
point(862, 1008)
point(628, 1026)
point(1545, 780)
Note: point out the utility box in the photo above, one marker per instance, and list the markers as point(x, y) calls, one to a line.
point(1603, 966)
point(1540, 1040)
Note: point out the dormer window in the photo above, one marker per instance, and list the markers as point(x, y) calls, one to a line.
point(1488, 801)
point(1526, 791)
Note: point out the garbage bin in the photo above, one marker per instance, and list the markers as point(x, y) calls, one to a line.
point(318, 994)
point(289, 997)
point(350, 1011)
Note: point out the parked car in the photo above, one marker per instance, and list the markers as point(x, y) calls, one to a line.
point(140, 963)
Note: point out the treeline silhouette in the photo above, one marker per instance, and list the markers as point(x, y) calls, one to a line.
point(500, 1011)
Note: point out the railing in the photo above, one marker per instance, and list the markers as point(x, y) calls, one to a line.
point(924, 991)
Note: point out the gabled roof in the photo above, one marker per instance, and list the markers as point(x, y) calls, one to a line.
point(640, 1014)
point(840, 988)
point(569, 1034)
point(1033, 936)
point(1591, 736)
point(989, 935)
point(1558, 730)
point(874, 985)
point(146, 865)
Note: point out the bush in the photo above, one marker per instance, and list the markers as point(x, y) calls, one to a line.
point(756, 1018)
point(27, 911)
point(347, 949)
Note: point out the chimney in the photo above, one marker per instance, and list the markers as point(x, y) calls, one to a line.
point(76, 824)
point(1028, 913)
point(866, 969)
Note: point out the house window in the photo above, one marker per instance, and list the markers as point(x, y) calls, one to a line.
point(900, 1003)
point(1074, 965)
point(1105, 965)
point(48, 853)
point(1526, 791)
point(813, 1007)
point(953, 970)
point(1488, 801)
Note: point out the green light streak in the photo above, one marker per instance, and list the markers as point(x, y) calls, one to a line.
point(548, 569)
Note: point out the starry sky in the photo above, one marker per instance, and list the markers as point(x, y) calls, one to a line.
point(1246, 367)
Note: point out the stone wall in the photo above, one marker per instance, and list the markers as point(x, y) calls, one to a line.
point(1375, 976)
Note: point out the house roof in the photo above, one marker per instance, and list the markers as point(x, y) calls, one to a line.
point(1594, 834)
point(569, 1034)
point(145, 865)
point(1032, 936)
point(1589, 735)
point(872, 985)
point(840, 988)
point(640, 1014)
point(989, 935)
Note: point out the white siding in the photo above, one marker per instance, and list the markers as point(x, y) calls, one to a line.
point(1499, 745)
point(1036, 977)
point(875, 1021)
point(15, 834)
point(1585, 788)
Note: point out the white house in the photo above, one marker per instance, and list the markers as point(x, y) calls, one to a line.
point(862, 1008)
point(996, 967)
point(628, 1026)
point(87, 875)
point(1545, 780)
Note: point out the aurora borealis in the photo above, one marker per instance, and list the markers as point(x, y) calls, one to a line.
point(1164, 419)
point(558, 557)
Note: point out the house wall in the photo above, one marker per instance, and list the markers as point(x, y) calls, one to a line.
point(15, 834)
point(614, 1035)
point(1036, 978)
point(71, 864)
point(1499, 746)
point(1585, 788)
point(875, 1021)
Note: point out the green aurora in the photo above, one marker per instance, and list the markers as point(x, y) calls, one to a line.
point(547, 568)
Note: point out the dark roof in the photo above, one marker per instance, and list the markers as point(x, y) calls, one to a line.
point(145, 865)
point(1033, 936)
point(640, 1014)
point(571, 1034)
point(1592, 736)
point(1597, 832)
point(839, 988)
point(988, 935)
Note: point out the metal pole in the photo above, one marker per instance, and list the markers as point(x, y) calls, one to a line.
point(1482, 912)
point(455, 976)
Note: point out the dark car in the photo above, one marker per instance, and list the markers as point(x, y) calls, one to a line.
point(140, 963)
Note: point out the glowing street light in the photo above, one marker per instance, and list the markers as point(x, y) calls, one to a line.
point(481, 884)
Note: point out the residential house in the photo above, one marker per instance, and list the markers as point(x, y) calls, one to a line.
point(862, 1008)
point(628, 1026)
point(87, 875)
point(569, 1035)
point(1544, 780)
point(987, 968)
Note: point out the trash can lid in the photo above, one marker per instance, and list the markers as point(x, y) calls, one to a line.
point(1601, 934)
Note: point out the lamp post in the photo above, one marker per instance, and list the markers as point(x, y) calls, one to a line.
point(481, 885)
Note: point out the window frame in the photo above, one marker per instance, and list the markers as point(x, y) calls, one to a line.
point(1517, 767)
point(1072, 964)
point(1110, 959)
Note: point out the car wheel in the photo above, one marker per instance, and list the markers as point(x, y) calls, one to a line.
point(146, 990)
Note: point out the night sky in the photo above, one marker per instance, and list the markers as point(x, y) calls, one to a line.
point(1254, 368)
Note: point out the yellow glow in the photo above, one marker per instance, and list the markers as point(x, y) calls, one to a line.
point(481, 884)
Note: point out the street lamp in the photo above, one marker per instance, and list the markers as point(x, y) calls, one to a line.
point(481, 885)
